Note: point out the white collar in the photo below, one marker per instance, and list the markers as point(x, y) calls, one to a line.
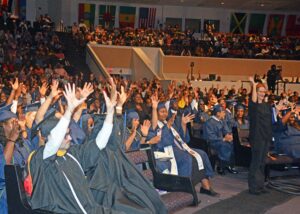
point(214, 117)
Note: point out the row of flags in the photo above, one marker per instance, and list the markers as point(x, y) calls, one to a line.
point(257, 24)
point(16, 7)
point(127, 17)
point(107, 15)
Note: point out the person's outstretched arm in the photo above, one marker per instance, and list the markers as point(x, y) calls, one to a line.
point(58, 133)
point(104, 134)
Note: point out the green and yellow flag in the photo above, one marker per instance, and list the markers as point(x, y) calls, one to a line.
point(238, 23)
point(107, 15)
point(86, 13)
point(127, 16)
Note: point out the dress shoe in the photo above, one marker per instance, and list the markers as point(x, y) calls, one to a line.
point(264, 191)
point(232, 170)
point(209, 192)
point(254, 192)
point(220, 171)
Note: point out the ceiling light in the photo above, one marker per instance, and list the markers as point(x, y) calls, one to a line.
point(222, 3)
point(262, 4)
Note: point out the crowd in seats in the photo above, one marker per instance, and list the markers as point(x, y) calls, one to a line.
point(173, 41)
point(49, 114)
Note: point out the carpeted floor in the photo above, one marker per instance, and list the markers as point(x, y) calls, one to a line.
point(247, 203)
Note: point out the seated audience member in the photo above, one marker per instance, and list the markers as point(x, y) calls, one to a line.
point(287, 135)
point(173, 144)
point(240, 120)
point(220, 139)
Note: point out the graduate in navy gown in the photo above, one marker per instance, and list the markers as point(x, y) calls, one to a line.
point(240, 120)
point(172, 143)
point(287, 137)
point(135, 134)
point(220, 138)
point(9, 133)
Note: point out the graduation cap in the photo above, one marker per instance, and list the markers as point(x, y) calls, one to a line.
point(132, 114)
point(231, 102)
point(5, 107)
point(6, 114)
point(161, 105)
point(239, 106)
point(49, 114)
point(2, 104)
point(32, 107)
point(217, 108)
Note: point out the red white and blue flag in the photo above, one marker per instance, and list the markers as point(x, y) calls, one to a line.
point(147, 17)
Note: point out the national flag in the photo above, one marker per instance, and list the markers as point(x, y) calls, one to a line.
point(18, 9)
point(4, 4)
point(147, 17)
point(238, 23)
point(127, 17)
point(214, 25)
point(107, 15)
point(86, 13)
point(257, 22)
point(293, 26)
point(275, 24)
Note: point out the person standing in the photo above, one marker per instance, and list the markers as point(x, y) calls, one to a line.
point(271, 78)
point(260, 136)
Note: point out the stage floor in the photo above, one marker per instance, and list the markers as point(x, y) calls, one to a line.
point(236, 187)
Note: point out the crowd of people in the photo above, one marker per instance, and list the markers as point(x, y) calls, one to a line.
point(66, 131)
point(173, 41)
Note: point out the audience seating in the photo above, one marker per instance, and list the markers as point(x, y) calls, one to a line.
point(181, 190)
point(243, 154)
point(16, 197)
point(200, 143)
point(241, 146)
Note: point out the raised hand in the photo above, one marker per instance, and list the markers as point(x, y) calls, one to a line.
point(54, 89)
point(251, 79)
point(113, 93)
point(43, 89)
point(110, 104)
point(15, 85)
point(188, 118)
point(86, 90)
point(19, 91)
point(14, 132)
point(145, 127)
point(70, 95)
point(155, 101)
point(122, 97)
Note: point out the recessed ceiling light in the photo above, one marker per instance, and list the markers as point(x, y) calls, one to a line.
point(262, 4)
point(222, 3)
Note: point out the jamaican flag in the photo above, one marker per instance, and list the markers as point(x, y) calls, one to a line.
point(275, 24)
point(107, 14)
point(127, 16)
point(238, 23)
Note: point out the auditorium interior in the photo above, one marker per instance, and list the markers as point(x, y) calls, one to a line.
point(189, 106)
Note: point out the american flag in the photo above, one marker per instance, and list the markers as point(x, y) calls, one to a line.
point(147, 17)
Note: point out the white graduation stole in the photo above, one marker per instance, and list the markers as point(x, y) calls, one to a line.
point(183, 146)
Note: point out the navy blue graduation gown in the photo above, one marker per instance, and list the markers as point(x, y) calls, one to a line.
point(214, 131)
